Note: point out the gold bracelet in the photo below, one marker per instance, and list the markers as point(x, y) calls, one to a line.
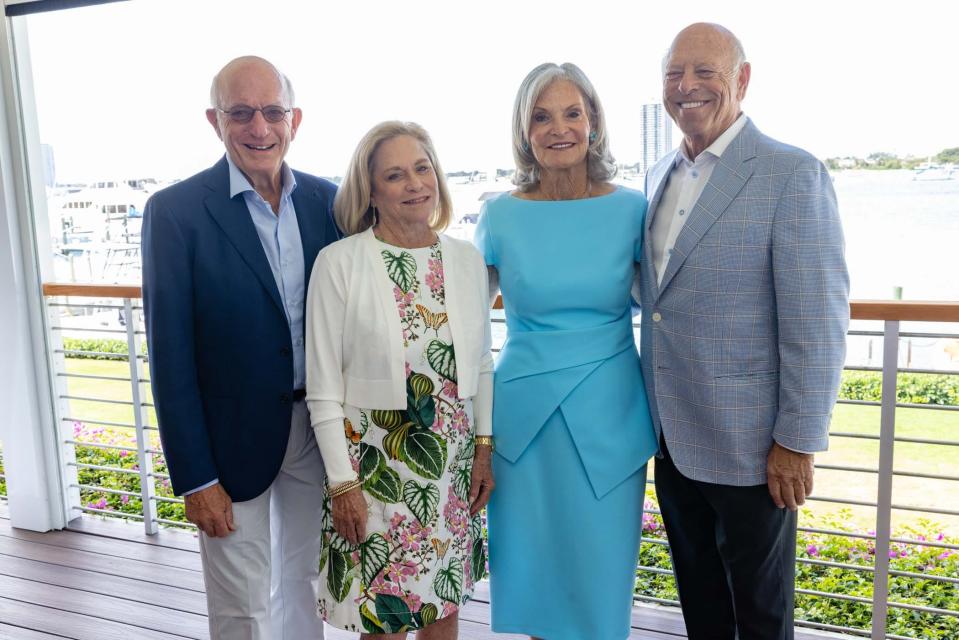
point(485, 440)
point(344, 487)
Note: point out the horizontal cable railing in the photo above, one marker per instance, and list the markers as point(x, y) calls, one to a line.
point(145, 494)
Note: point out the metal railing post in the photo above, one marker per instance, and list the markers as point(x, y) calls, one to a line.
point(887, 433)
point(145, 459)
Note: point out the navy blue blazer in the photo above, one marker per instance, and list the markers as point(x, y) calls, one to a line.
point(221, 355)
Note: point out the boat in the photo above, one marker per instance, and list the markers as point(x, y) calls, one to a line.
point(933, 171)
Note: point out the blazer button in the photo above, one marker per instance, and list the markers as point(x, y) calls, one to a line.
point(286, 351)
point(656, 316)
point(284, 398)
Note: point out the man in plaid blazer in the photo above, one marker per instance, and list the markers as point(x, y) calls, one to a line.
point(744, 296)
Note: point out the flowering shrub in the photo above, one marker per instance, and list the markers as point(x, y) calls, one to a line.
point(118, 480)
point(920, 559)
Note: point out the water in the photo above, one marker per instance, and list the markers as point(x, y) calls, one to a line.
point(900, 232)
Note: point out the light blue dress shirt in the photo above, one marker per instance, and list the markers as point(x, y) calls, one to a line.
point(280, 237)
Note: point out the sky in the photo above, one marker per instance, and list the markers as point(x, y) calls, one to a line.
point(121, 88)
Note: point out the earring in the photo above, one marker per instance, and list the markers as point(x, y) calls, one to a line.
point(525, 146)
point(592, 136)
point(373, 207)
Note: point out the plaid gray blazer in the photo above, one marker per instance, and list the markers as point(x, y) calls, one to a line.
point(744, 341)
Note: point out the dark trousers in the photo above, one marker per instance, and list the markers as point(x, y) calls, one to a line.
point(734, 556)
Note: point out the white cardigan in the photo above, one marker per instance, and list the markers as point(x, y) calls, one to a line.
point(354, 341)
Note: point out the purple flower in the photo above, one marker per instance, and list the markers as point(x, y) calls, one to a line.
point(812, 550)
point(893, 553)
point(945, 554)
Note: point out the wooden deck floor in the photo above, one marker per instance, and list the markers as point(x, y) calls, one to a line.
point(104, 580)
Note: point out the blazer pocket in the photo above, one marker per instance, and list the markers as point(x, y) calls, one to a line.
point(750, 376)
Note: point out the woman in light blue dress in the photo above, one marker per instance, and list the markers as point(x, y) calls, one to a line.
point(571, 421)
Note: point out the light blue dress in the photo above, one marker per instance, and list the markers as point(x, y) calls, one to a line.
point(570, 417)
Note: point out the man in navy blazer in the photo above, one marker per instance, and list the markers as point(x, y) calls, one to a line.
point(744, 294)
point(227, 256)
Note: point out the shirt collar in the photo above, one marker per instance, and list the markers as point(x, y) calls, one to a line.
point(239, 183)
point(719, 145)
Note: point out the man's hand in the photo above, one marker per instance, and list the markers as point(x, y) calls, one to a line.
point(211, 510)
point(789, 476)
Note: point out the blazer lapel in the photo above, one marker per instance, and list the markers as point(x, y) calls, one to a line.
point(727, 180)
point(655, 185)
point(306, 201)
point(233, 218)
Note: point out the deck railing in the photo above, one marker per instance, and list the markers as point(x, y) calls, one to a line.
point(124, 303)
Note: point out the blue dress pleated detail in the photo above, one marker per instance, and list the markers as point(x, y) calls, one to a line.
point(570, 416)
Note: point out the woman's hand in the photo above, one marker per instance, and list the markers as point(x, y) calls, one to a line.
point(481, 479)
point(349, 516)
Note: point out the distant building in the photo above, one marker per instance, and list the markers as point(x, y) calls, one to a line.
point(657, 135)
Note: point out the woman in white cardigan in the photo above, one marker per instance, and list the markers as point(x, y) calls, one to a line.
point(403, 420)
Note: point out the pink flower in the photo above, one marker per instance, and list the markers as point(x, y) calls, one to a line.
point(125, 499)
point(397, 520)
point(450, 390)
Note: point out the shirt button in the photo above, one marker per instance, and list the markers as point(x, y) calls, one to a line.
point(682, 212)
point(656, 316)
point(284, 398)
point(695, 174)
point(285, 351)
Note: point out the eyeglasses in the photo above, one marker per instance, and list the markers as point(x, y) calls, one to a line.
point(241, 114)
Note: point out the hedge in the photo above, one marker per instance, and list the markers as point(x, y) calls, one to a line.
point(97, 348)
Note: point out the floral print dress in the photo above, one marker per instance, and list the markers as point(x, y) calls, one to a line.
point(423, 552)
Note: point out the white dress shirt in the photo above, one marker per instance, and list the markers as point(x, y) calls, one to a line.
point(685, 184)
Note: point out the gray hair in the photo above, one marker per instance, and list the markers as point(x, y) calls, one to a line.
point(351, 206)
point(600, 165)
point(286, 87)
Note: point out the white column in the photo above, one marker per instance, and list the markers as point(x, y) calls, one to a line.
point(28, 425)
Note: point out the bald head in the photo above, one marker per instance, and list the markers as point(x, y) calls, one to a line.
point(716, 37)
point(705, 77)
point(246, 65)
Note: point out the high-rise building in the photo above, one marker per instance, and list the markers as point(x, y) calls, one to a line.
point(657, 135)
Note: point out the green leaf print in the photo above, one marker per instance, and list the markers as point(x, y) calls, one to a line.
point(425, 453)
point(428, 613)
point(372, 462)
point(371, 623)
point(374, 554)
point(339, 579)
point(387, 419)
point(442, 359)
point(393, 442)
point(339, 543)
point(394, 614)
point(421, 407)
point(448, 583)
point(478, 560)
point(324, 555)
point(386, 487)
point(461, 483)
point(420, 386)
point(401, 269)
point(422, 500)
